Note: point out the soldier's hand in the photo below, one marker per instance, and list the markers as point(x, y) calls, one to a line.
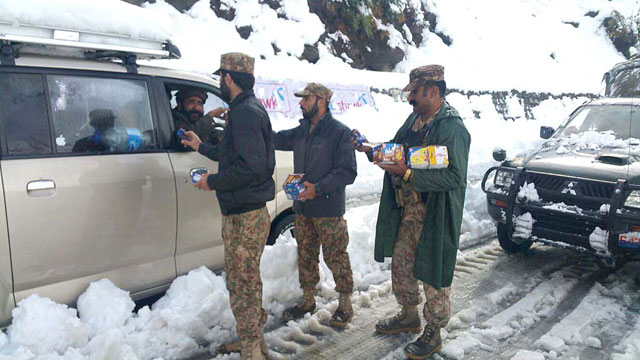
point(360, 147)
point(309, 192)
point(398, 167)
point(202, 183)
point(192, 140)
point(219, 112)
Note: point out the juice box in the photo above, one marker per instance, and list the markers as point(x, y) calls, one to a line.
point(359, 138)
point(293, 186)
point(429, 157)
point(386, 153)
point(197, 175)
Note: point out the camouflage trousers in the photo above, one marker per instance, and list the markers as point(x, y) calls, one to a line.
point(331, 233)
point(245, 236)
point(437, 308)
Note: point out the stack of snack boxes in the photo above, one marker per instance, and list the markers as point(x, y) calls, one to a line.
point(293, 186)
point(420, 157)
point(429, 157)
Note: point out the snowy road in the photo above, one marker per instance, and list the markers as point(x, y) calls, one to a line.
point(549, 304)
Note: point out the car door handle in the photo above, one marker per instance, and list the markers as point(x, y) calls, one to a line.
point(194, 171)
point(39, 188)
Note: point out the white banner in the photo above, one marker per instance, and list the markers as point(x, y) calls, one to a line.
point(278, 97)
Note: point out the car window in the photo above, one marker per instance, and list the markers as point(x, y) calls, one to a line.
point(92, 114)
point(23, 115)
point(188, 112)
point(608, 119)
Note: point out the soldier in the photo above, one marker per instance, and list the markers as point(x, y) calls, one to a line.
point(189, 115)
point(420, 213)
point(243, 184)
point(321, 151)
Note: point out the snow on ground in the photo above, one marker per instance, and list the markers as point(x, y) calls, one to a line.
point(499, 53)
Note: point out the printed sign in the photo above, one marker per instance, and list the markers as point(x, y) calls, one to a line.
point(631, 240)
point(279, 97)
point(274, 97)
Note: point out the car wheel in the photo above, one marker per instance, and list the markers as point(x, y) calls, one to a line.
point(507, 244)
point(282, 225)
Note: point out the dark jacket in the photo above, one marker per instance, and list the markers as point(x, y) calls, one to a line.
point(435, 258)
point(326, 158)
point(246, 157)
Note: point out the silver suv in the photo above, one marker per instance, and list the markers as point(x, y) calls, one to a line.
point(126, 211)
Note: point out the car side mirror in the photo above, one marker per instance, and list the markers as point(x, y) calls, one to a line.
point(499, 155)
point(546, 132)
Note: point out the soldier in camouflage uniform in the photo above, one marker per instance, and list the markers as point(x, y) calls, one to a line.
point(321, 151)
point(243, 185)
point(421, 212)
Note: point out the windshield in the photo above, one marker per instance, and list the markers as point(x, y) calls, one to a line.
point(594, 127)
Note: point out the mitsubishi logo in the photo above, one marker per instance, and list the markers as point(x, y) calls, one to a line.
point(570, 188)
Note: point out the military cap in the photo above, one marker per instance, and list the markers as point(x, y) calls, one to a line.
point(237, 62)
point(189, 92)
point(315, 89)
point(422, 74)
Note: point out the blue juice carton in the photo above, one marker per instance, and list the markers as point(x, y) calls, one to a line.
point(359, 138)
point(293, 186)
point(196, 175)
point(181, 134)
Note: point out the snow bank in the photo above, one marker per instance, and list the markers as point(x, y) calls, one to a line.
point(104, 16)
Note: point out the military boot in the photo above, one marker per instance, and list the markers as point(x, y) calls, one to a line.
point(427, 344)
point(407, 320)
point(306, 305)
point(251, 350)
point(228, 348)
point(236, 347)
point(343, 313)
point(264, 348)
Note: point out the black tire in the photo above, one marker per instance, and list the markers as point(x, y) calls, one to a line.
point(280, 227)
point(508, 245)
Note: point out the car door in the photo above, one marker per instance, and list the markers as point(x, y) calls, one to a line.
point(88, 192)
point(199, 236)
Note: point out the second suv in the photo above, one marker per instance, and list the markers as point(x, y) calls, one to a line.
point(580, 189)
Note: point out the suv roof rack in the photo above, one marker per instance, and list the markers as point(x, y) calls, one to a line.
point(18, 39)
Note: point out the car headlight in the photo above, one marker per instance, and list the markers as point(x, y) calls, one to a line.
point(503, 178)
point(633, 200)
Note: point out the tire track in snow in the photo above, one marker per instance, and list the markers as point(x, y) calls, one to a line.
point(521, 324)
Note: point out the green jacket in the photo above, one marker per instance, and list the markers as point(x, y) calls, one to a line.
point(445, 189)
